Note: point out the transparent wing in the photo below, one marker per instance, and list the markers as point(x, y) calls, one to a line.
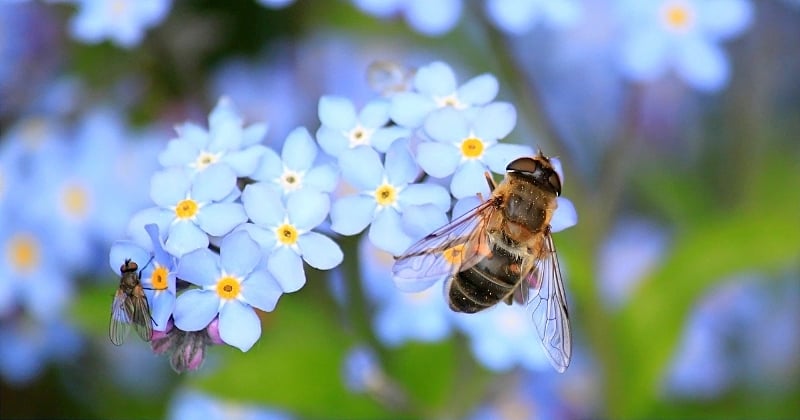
point(547, 303)
point(450, 249)
point(142, 320)
point(119, 326)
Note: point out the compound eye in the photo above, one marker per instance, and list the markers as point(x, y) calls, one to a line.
point(523, 164)
point(555, 182)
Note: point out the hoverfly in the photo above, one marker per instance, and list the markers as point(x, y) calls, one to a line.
point(130, 306)
point(502, 250)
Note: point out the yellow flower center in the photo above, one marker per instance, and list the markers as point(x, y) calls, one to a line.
point(228, 287)
point(677, 15)
point(386, 195)
point(75, 201)
point(22, 251)
point(291, 180)
point(119, 7)
point(205, 159)
point(454, 255)
point(472, 148)
point(159, 277)
point(186, 209)
point(286, 234)
point(450, 100)
point(360, 136)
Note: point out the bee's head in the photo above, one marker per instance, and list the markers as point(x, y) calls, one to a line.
point(537, 169)
point(128, 266)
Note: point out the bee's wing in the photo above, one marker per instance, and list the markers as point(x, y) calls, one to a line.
point(119, 326)
point(547, 303)
point(432, 259)
point(142, 320)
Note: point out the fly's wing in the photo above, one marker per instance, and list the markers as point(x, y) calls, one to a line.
point(547, 303)
point(142, 320)
point(450, 249)
point(119, 326)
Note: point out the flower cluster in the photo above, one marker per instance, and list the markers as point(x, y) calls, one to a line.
point(234, 222)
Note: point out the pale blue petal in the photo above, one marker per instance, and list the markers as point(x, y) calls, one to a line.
point(244, 162)
point(200, 267)
point(447, 125)
point(375, 113)
point(308, 208)
point(195, 309)
point(185, 236)
point(254, 133)
point(479, 90)
point(702, 64)
point(416, 194)
point(565, 215)
point(161, 256)
point(409, 109)
point(724, 19)
point(466, 204)
point(350, 215)
point(239, 254)
point(383, 138)
point(161, 308)
point(386, 233)
point(433, 17)
point(239, 325)
point(644, 55)
point(263, 204)
point(168, 187)
point(213, 183)
point(337, 113)
point(500, 155)
point(362, 168)
point(495, 121)
point(514, 16)
point(220, 218)
point(160, 217)
point(225, 136)
point(333, 142)
point(269, 168)
point(436, 78)
point(287, 268)
point(265, 238)
point(299, 150)
point(224, 112)
point(401, 168)
point(261, 290)
point(127, 250)
point(320, 251)
point(193, 134)
point(438, 159)
point(421, 220)
point(468, 179)
point(323, 178)
point(178, 153)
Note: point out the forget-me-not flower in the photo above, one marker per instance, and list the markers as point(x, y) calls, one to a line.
point(466, 144)
point(158, 269)
point(122, 21)
point(226, 142)
point(682, 35)
point(385, 193)
point(190, 209)
point(520, 16)
point(344, 128)
point(428, 17)
point(284, 232)
point(435, 87)
point(294, 169)
point(231, 284)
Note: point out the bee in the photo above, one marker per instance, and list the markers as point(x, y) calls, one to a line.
point(130, 306)
point(502, 250)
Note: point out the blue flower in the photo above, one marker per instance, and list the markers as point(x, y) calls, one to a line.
point(466, 145)
point(429, 17)
point(191, 209)
point(519, 16)
point(189, 405)
point(121, 21)
point(294, 169)
point(231, 284)
point(682, 35)
point(342, 128)
point(158, 273)
point(435, 87)
point(26, 346)
point(400, 317)
point(502, 337)
point(226, 142)
point(284, 232)
point(386, 196)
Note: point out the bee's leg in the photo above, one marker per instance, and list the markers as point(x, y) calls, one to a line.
point(490, 181)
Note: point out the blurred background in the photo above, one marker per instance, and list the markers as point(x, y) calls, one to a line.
point(675, 121)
